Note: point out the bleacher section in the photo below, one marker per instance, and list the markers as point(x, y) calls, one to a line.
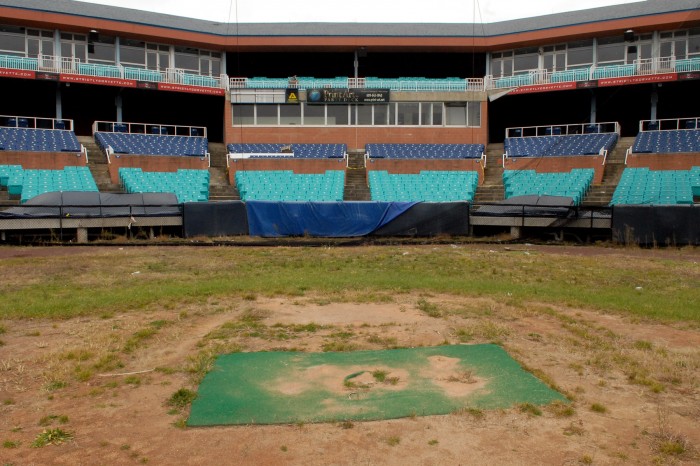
point(667, 141)
point(657, 187)
point(575, 144)
point(317, 151)
point(574, 184)
point(427, 186)
point(152, 144)
point(38, 140)
point(187, 185)
point(425, 151)
point(284, 185)
point(27, 184)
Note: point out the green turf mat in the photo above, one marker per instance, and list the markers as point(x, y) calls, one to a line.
point(282, 387)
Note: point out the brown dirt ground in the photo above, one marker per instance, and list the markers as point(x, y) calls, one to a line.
point(122, 418)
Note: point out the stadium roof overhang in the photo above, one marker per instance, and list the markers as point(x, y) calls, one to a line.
point(339, 37)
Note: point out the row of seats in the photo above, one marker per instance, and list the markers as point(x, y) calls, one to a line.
point(574, 184)
point(427, 186)
point(148, 144)
point(667, 141)
point(38, 140)
point(575, 144)
point(30, 183)
point(285, 185)
point(425, 151)
point(316, 151)
point(187, 184)
point(639, 186)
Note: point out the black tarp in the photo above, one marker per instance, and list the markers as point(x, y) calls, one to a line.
point(429, 219)
point(529, 206)
point(94, 204)
point(657, 225)
point(215, 219)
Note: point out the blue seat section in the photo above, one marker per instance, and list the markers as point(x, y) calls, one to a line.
point(187, 184)
point(29, 183)
point(38, 140)
point(285, 185)
point(575, 144)
point(574, 184)
point(152, 144)
point(425, 151)
point(311, 151)
point(657, 187)
point(427, 186)
point(667, 141)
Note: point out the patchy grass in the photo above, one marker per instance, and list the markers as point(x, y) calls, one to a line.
point(173, 280)
point(181, 398)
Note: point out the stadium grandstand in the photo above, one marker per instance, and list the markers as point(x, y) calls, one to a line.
point(573, 120)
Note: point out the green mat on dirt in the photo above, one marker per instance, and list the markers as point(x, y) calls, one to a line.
point(284, 387)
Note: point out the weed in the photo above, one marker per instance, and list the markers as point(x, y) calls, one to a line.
point(52, 437)
point(180, 423)
point(10, 444)
point(284, 448)
point(393, 441)
point(181, 398)
point(133, 380)
point(432, 442)
point(643, 345)
point(586, 459)
point(48, 420)
point(574, 429)
point(598, 408)
point(54, 385)
point(8, 401)
point(338, 346)
point(3, 329)
point(462, 377)
point(476, 413)
point(346, 425)
point(431, 309)
point(137, 338)
point(561, 409)
point(529, 409)
point(379, 375)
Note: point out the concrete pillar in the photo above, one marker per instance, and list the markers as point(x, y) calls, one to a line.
point(118, 104)
point(594, 107)
point(59, 103)
point(515, 232)
point(654, 101)
point(82, 235)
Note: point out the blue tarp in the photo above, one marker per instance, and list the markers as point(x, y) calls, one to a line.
point(321, 219)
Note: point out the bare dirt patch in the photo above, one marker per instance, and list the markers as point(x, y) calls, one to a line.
point(634, 386)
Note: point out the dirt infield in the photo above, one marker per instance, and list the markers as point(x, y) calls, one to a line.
point(110, 382)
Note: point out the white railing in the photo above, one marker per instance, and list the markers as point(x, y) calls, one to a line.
point(156, 129)
point(640, 67)
point(69, 65)
point(564, 129)
point(669, 124)
point(394, 84)
point(36, 122)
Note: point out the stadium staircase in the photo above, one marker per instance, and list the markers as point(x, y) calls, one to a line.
point(601, 195)
point(97, 162)
point(219, 187)
point(356, 188)
point(491, 190)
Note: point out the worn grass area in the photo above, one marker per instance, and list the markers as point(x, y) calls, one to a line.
point(105, 281)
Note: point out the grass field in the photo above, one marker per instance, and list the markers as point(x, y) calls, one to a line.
point(102, 349)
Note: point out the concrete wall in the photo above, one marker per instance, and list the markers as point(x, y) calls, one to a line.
point(674, 161)
point(42, 160)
